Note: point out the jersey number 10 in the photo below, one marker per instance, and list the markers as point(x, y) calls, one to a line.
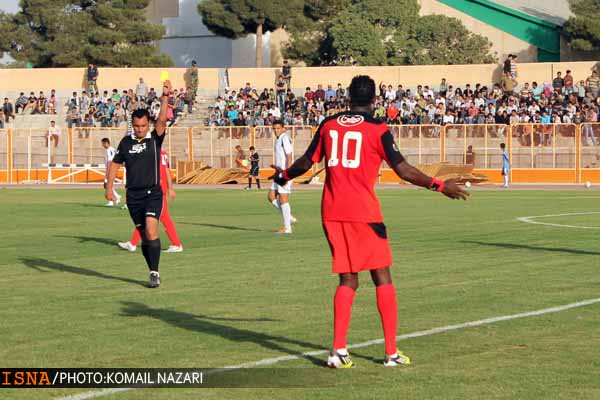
point(346, 163)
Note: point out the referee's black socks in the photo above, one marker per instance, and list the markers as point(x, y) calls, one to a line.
point(151, 252)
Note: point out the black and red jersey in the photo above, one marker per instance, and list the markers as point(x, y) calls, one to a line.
point(354, 145)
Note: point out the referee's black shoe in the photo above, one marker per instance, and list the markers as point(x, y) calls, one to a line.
point(154, 281)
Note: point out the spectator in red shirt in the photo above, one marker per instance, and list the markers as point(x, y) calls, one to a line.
point(309, 94)
point(392, 113)
point(320, 93)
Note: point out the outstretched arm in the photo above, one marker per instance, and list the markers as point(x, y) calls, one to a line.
point(161, 121)
point(298, 168)
point(411, 174)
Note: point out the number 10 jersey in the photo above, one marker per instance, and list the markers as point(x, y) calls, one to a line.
point(353, 145)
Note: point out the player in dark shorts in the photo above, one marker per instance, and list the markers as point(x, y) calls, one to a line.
point(354, 145)
point(140, 153)
point(254, 168)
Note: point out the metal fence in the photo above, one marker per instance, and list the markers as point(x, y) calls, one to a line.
point(4, 149)
point(531, 146)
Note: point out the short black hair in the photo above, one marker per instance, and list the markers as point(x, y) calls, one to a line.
point(278, 122)
point(106, 140)
point(362, 90)
point(140, 113)
point(502, 145)
point(252, 148)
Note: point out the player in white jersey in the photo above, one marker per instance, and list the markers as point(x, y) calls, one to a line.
point(108, 157)
point(279, 195)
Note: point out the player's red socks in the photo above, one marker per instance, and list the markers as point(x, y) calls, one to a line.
point(388, 309)
point(342, 310)
point(170, 228)
point(137, 236)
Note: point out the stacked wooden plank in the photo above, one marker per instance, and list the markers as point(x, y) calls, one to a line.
point(459, 172)
point(185, 167)
point(195, 172)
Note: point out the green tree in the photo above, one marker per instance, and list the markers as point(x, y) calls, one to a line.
point(381, 32)
point(309, 39)
point(353, 41)
point(583, 29)
point(239, 18)
point(438, 39)
point(72, 33)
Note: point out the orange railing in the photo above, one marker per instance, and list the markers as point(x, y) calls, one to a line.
point(538, 152)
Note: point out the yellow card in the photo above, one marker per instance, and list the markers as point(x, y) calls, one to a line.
point(164, 75)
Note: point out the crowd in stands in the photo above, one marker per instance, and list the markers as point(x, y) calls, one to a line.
point(564, 100)
point(114, 109)
point(94, 109)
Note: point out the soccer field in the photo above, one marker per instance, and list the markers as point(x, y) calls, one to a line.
point(239, 294)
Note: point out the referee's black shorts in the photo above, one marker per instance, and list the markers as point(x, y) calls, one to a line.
point(143, 203)
point(254, 171)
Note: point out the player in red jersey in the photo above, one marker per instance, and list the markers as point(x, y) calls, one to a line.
point(354, 146)
point(167, 189)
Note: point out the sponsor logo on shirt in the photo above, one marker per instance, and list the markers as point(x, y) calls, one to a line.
point(350, 120)
point(138, 148)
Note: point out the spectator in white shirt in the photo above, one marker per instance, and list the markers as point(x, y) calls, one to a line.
point(390, 93)
point(275, 112)
point(448, 118)
point(141, 90)
point(428, 92)
point(53, 133)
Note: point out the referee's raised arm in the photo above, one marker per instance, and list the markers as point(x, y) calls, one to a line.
point(161, 123)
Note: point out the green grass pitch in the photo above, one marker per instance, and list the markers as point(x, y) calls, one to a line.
point(239, 293)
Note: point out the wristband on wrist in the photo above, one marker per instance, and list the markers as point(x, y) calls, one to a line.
point(437, 185)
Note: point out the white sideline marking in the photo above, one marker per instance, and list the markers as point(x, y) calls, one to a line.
point(429, 332)
point(529, 220)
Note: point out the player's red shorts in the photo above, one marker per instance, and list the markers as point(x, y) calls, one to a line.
point(357, 246)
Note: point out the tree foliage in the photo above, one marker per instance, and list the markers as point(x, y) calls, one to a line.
point(382, 32)
point(308, 31)
point(356, 42)
point(438, 39)
point(73, 33)
point(238, 18)
point(583, 29)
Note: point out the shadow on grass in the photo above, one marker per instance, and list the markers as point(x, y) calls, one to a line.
point(517, 246)
point(92, 205)
point(228, 227)
point(207, 325)
point(43, 265)
point(85, 239)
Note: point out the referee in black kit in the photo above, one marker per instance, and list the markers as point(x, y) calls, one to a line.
point(140, 152)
